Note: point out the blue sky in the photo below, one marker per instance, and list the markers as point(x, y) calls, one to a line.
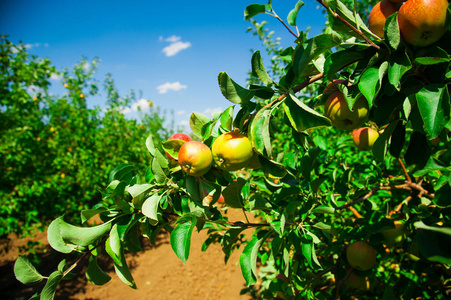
point(169, 52)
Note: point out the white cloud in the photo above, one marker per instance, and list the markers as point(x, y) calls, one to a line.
point(173, 39)
point(56, 77)
point(180, 112)
point(184, 123)
point(168, 86)
point(175, 46)
point(140, 105)
point(211, 111)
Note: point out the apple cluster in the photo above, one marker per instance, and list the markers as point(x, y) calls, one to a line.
point(345, 118)
point(421, 22)
point(231, 151)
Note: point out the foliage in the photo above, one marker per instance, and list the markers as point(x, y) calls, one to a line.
point(314, 193)
point(55, 150)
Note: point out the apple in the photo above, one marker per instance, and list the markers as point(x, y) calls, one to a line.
point(232, 151)
point(195, 158)
point(394, 236)
point(356, 282)
point(379, 15)
point(423, 22)
point(177, 136)
point(361, 256)
point(364, 138)
point(337, 110)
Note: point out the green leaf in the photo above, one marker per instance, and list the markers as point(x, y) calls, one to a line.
point(434, 106)
point(380, 146)
point(226, 119)
point(392, 33)
point(442, 198)
point(181, 239)
point(196, 122)
point(272, 168)
point(150, 208)
point(172, 147)
point(418, 151)
point(434, 244)
point(349, 16)
point(307, 52)
point(95, 274)
point(232, 91)
point(255, 9)
point(89, 213)
point(25, 272)
point(138, 192)
point(49, 290)
point(371, 81)
point(157, 170)
point(113, 246)
point(338, 60)
point(292, 15)
point(308, 162)
point(399, 64)
point(301, 116)
point(232, 193)
point(122, 172)
point(248, 258)
point(150, 145)
point(258, 131)
point(431, 56)
point(258, 69)
point(66, 238)
point(230, 238)
point(308, 250)
point(324, 209)
point(443, 230)
point(123, 272)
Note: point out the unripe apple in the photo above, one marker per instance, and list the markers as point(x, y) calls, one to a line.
point(177, 136)
point(379, 15)
point(357, 282)
point(423, 22)
point(337, 110)
point(232, 151)
point(361, 256)
point(195, 158)
point(394, 236)
point(364, 138)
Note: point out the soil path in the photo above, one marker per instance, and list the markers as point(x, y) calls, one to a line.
point(158, 273)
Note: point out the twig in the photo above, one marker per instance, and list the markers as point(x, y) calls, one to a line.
point(358, 31)
point(85, 255)
point(355, 212)
point(409, 180)
point(286, 26)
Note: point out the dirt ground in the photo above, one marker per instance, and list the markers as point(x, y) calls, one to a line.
point(158, 273)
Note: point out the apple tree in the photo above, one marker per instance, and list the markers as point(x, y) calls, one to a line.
point(334, 219)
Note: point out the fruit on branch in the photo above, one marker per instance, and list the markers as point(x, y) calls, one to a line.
point(356, 282)
point(423, 22)
point(232, 151)
point(379, 15)
point(177, 136)
point(361, 256)
point(364, 138)
point(195, 158)
point(394, 236)
point(337, 110)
